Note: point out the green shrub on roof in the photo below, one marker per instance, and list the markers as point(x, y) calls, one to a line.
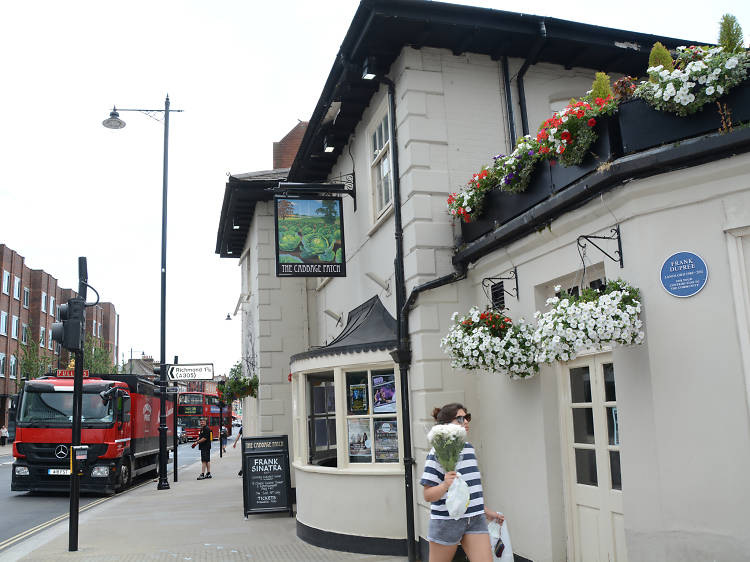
point(660, 56)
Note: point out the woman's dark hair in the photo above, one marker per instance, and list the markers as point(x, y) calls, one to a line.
point(447, 413)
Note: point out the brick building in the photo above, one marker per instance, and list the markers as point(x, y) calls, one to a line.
point(285, 150)
point(29, 301)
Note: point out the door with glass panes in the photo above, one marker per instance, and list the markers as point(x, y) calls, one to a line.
point(591, 443)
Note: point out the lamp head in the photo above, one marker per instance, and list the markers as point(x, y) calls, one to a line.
point(370, 68)
point(228, 317)
point(113, 121)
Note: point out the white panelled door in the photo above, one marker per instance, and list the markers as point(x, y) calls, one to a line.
point(591, 443)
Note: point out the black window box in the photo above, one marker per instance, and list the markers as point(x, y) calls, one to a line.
point(606, 148)
point(643, 127)
point(501, 206)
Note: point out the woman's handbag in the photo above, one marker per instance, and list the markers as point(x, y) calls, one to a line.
point(502, 551)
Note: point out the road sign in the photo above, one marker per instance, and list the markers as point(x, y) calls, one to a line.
point(195, 372)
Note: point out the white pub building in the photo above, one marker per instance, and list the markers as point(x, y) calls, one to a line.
point(638, 452)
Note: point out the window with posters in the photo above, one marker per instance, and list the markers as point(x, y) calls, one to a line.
point(371, 422)
point(366, 421)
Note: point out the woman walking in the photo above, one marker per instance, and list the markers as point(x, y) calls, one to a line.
point(470, 529)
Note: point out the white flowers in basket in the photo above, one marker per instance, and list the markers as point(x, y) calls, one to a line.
point(702, 75)
point(488, 340)
point(589, 322)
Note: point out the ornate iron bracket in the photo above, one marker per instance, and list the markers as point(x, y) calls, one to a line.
point(614, 235)
point(346, 187)
point(350, 183)
point(487, 283)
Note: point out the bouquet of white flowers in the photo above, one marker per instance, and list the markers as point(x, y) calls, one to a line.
point(448, 441)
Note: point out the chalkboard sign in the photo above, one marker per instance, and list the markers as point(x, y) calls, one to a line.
point(267, 485)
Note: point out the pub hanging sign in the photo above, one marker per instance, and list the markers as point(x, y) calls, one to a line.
point(309, 237)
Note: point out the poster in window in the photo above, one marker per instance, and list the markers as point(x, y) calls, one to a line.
point(358, 398)
point(360, 443)
point(383, 393)
point(386, 440)
point(309, 237)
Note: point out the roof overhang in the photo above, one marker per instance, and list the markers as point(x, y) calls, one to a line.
point(241, 194)
point(382, 28)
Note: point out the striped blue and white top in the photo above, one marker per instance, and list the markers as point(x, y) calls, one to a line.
point(468, 468)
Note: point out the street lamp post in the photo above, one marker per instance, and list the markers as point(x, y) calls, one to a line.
point(114, 122)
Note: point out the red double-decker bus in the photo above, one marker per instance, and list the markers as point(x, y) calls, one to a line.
point(192, 406)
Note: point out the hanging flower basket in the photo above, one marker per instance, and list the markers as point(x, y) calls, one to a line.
point(489, 340)
point(591, 321)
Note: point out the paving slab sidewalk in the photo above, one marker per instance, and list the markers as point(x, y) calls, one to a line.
point(193, 520)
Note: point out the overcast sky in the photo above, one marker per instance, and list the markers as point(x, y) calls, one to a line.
point(243, 72)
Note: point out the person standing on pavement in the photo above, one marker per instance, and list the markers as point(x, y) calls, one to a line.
point(223, 434)
point(234, 446)
point(204, 444)
point(3, 436)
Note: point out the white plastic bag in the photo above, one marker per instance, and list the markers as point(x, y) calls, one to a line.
point(457, 497)
point(498, 531)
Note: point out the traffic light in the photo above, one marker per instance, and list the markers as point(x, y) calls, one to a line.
point(70, 331)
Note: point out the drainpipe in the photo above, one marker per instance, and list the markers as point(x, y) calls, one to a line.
point(402, 355)
point(509, 103)
point(519, 77)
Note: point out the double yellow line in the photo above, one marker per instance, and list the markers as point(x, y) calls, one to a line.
point(29, 532)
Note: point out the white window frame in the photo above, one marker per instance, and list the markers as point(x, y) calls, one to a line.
point(300, 400)
point(50, 341)
point(2, 364)
point(6, 282)
point(24, 334)
point(3, 323)
point(13, 366)
point(41, 337)
point(17, 288)
point(93, 331)
point(44, 301)
point(379, 148)
point(26, 295)
point(51, 305)
point(99, 330)
point(14, 327)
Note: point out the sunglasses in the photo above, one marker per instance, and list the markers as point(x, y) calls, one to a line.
point(462, 419)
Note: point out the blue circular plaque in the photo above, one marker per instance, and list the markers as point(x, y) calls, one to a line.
point(684, 274)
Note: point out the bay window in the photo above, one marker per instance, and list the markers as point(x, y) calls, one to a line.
point(351, 417)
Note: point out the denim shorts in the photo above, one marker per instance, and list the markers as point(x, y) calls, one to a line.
point(449, 531)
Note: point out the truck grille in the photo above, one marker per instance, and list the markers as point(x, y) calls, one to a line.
point(45, 452)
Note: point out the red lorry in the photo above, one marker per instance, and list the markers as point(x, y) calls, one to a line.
point(119, 423)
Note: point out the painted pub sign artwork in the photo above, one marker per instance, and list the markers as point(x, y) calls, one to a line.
point(309, 237)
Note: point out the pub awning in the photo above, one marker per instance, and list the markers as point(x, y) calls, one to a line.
point(369, 327)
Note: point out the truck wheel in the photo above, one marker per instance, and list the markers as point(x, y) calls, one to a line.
point(126, 473)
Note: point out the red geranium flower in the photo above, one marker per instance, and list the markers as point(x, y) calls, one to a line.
point(592, 122)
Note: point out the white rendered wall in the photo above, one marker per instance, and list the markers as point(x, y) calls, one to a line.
point(681, 396)
point(276, 318)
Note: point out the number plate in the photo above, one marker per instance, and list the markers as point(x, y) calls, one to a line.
point(59, 471)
